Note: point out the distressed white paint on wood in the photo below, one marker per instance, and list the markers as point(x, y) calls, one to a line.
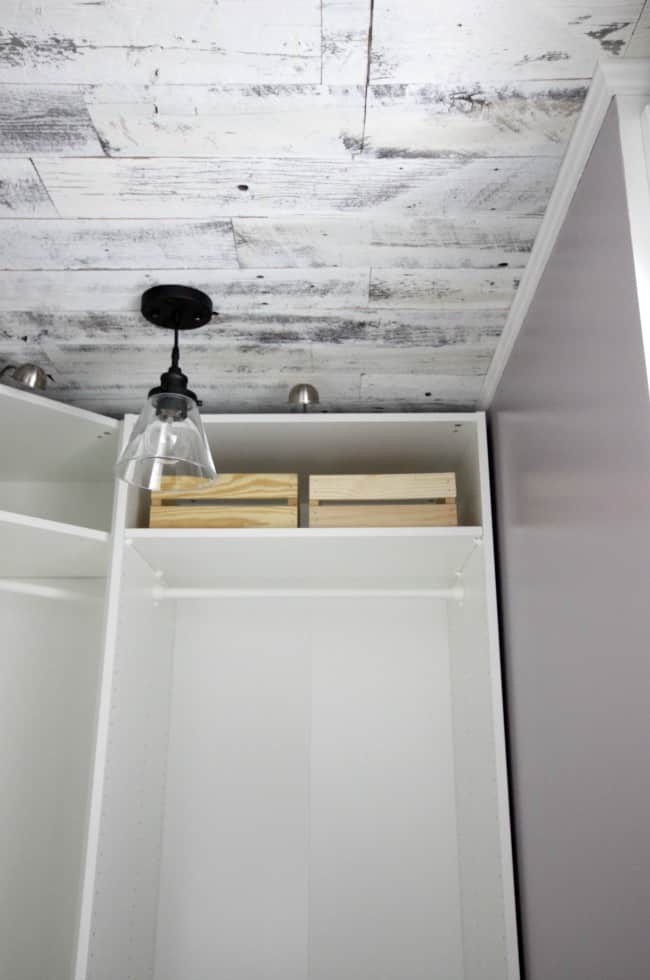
point(229, 41)
point(461, 350)
point(41, 119)
point(460, 356)
point(232, 393)
point(165, 188)
point(345, 41)
point(22, 194)
point(90, 244)
point(478, 39)
point(230, 121)
point(408, 392)
point(466, 240)
point(195, 24)
point(232, 291)
point(524, 119)
point(435, 289)
point(344, 327)
point(639, 44)
point(59, 60)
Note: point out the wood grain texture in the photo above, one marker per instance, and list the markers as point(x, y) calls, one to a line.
point(41, 119)
point(523, 119)
point(381, 486)
point(22, 194)
point(232, 41)
point(228, 486)
point(473, 39)
point(237, 291)
point(383, 515)
point(161, 188)
point(357, 185)
point(639, 44)
point(410, 392)
point(336, 328)
point(443, 289)
point(109, 244)
point(168, 507)
point(253, 516)
point(106, 291)
point(346, 24)
point(464, 240)
point(228, 120)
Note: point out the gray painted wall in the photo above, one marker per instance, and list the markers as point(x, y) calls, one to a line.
point(570, 429)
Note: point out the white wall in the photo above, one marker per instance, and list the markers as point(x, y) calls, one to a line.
point(571, 439)
point(49, 660)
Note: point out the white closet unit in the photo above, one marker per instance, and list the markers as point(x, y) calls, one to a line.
point(55, 493)
point(299, 766)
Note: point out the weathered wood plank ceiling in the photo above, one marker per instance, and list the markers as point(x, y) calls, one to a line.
point(357, 184)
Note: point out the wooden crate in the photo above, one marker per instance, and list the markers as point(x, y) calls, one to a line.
point(235, 500)
point(383, 500)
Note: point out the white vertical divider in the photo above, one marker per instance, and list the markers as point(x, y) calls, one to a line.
point(113, 586)
point(496, 697)
point(124, 915)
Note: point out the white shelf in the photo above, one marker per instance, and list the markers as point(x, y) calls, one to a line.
point(44, 440)
point(31, 547)
point(350, 558)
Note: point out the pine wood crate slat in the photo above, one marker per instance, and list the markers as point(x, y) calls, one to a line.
point(241, 500)
point(383, 500)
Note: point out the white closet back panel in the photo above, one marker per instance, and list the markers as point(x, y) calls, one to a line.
point(49, 660)
point(234, 878)
point(310, 825)
point(384, 894)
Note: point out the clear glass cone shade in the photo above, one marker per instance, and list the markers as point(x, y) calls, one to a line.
point(168, 442)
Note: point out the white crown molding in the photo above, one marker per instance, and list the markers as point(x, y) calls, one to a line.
point(613, 77)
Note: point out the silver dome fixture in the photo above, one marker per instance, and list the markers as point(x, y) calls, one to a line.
point(304, 396)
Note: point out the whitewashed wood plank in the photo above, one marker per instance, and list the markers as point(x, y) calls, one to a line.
point(348, 329)
point(473, 39)
point(41, 119)
point(464, 241)
point(109, 244)
point(22, 194)
point(461, 359)
point(443, 289)
point(202, 188)
point(227, 393)
point(345, 41)
point(639, 43)
point(231, 25)
point(420, 393)
point(200, 40)
point(231, 291)
point(523, 119)
point(57, 60)
point(229, 120)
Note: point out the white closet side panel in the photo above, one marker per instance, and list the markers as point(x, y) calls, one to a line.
point(234, 880)
point(384, 890)
point(49, 661)
point(123, 928)
point(480, 858)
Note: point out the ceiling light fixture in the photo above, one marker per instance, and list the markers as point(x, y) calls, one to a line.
point(168, 440)
point(303, 396)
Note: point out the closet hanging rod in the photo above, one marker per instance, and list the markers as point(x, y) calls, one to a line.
point(164, 592)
